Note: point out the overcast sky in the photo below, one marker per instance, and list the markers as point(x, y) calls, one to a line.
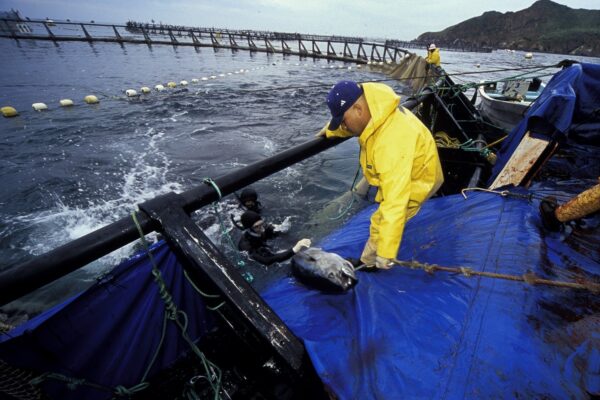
point(394, 19)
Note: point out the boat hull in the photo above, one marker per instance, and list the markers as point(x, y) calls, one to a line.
point(503, 113)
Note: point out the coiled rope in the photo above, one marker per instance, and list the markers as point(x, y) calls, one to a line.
point(443, 140)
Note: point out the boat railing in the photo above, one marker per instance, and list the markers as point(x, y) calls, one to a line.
point(22, 279)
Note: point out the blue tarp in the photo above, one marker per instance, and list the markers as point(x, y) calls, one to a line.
point(568, 106)
point(108, 334)
point(405, 334)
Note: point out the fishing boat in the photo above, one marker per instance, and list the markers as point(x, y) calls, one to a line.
point(505, 105)
point(178, 319)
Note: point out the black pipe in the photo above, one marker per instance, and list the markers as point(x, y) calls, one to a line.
point(22, 279)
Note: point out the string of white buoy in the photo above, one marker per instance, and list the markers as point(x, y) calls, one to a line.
point(9, 111)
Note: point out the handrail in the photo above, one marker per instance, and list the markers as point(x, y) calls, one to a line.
point(195, 33)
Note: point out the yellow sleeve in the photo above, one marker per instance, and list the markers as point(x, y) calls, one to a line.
point(339, 132)
point(394, 165)
point(435, 58)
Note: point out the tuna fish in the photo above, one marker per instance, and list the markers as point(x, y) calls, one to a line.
point(322, 270)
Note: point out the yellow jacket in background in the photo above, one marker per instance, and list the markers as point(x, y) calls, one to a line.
point(397, 154)
point(433, 57)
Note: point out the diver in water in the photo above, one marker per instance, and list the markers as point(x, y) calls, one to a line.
point(255, 237)
point(249, 200)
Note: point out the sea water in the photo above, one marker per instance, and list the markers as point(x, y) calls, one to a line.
point(66, 172)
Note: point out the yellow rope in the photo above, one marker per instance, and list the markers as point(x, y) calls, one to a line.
point(496, 142)
point(442, 139)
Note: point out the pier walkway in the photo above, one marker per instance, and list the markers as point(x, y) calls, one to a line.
point(340, 48)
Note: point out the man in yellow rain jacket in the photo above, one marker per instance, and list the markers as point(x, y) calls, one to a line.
point(397, 154)
point(433, 55)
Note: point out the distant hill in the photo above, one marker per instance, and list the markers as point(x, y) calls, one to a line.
point(545, 27)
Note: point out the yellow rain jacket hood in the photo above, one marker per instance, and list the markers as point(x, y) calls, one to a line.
point(397, 154)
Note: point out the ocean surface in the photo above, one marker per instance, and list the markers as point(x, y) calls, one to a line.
point(65, 172)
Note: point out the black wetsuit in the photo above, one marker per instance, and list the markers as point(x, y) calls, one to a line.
point(259, 250)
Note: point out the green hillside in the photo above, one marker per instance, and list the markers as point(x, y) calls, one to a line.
point(545, 26)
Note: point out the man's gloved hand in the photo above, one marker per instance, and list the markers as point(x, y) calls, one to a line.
point(383, 263)
point(369, 253)
point(323, 130)
point(301, 243)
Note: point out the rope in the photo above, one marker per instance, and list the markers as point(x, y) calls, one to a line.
point(213, 372)
point(328, 85)
point(224, 233)
point(204, 294)
point(443, 140)
point(496, 142)
point(347, 208)
point(504, 193)
point(528, 277)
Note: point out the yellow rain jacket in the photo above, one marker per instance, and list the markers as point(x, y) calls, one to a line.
point(433, 57)
point(397, 154)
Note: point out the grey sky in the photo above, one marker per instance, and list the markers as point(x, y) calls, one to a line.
point(397, 19)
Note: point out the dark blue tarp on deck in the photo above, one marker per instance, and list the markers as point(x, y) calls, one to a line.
point(568, 107)
point(405, 334)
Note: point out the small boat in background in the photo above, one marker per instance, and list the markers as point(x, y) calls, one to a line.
point(505, 106)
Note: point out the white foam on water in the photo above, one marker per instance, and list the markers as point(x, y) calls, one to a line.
point(284, 226)
point(62, 223)
point(177, 114)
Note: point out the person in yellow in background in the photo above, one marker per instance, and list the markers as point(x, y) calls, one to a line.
point(433, 55)
point(397, 154)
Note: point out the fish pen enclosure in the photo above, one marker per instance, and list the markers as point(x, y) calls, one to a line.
point(348, 49)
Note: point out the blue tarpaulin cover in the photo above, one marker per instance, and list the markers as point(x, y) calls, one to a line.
point(403, 333)
point(406, 334)
point(108, 334)
point(568, 106)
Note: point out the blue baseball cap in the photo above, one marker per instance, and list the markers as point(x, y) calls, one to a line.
point(340, 99)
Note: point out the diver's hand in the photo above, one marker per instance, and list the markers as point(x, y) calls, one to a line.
point(383, 263)
point(301, 244)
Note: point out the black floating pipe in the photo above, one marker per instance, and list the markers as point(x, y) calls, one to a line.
point(22, 279)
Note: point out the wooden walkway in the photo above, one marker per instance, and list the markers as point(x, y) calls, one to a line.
point(450, 47)
point(347, 49)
